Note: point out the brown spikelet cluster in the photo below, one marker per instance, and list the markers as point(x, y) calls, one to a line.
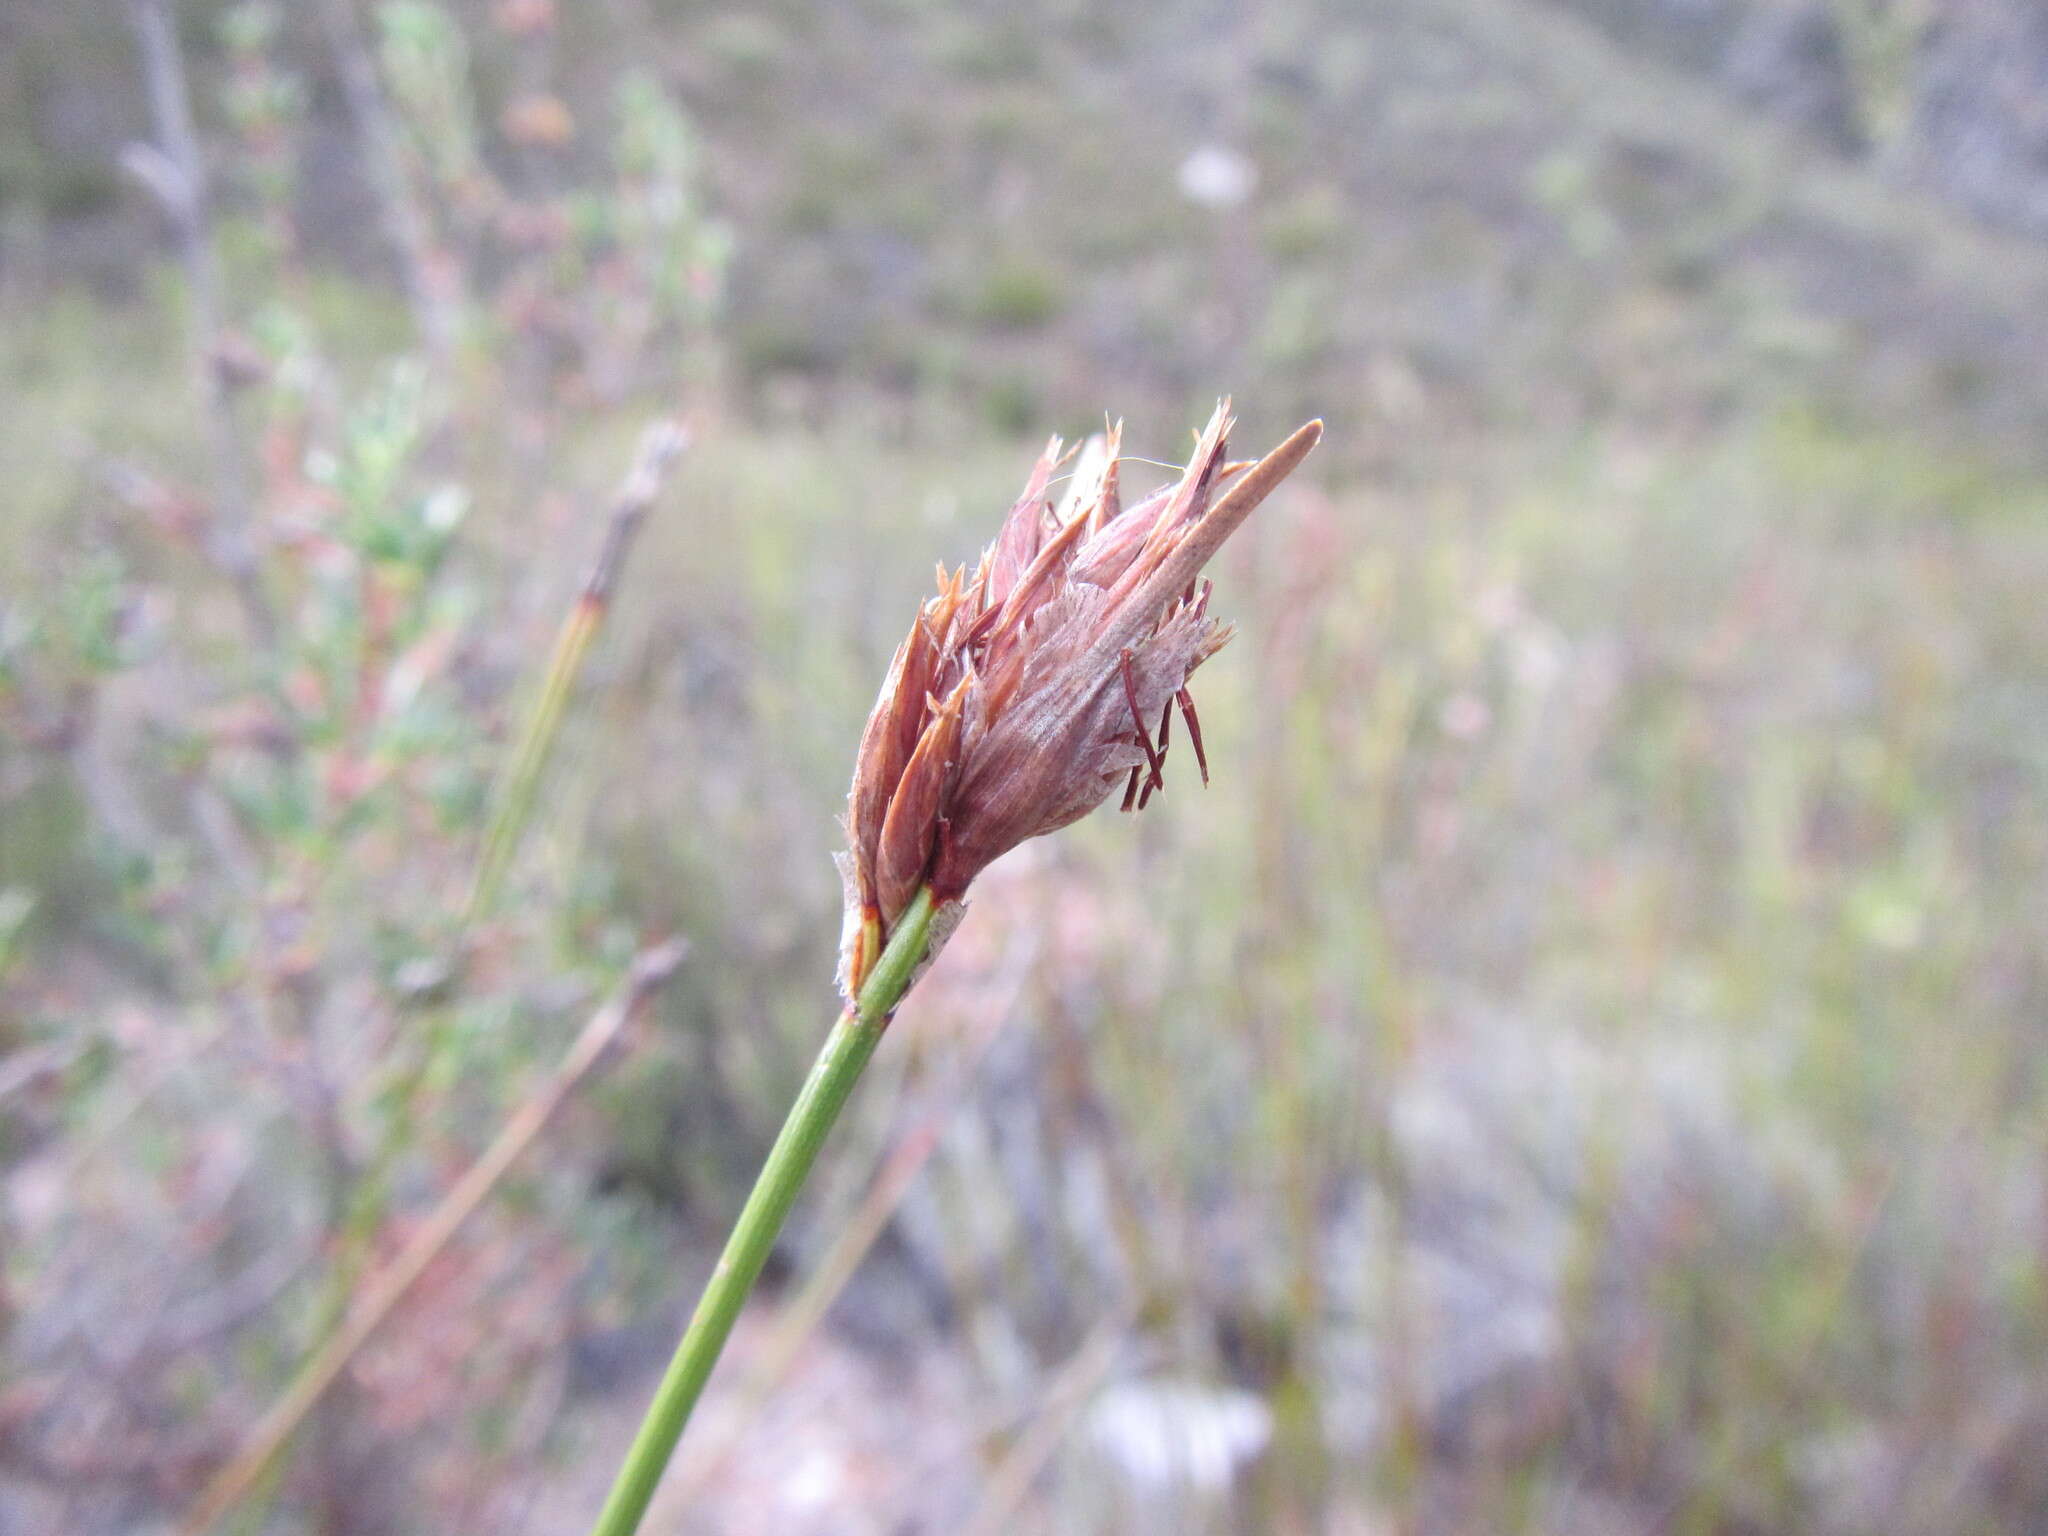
point(1028, 692)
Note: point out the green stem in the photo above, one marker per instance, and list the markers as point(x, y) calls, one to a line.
point(514, 806)
point(838, 1067)
point(366, 1206)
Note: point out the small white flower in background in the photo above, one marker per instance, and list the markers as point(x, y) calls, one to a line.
point(1538, 655)
point(1179, 1434)
point(1465, 716)
point(445, 508)
point(1216, 177)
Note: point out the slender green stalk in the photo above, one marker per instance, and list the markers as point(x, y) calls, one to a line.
point(658, 447)
point(839, 1065)
point(514, 807)
point(516, 796)
point(366, 1207)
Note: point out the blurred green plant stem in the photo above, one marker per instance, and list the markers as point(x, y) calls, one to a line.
point(660, 445)
point(517, 795)
point(838, 1067)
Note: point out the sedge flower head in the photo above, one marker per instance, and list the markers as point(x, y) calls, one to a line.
point(1028, 693)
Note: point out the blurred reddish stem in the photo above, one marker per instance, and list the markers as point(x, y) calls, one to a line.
point(384, 1291)
point(174, 172)
point(432, 284)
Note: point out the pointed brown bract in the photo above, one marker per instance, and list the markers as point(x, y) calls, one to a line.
point(903, 852)
point(1017, 543)
point(1019, 701)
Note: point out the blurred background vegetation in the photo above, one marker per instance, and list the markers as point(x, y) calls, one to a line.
point(1580, 1067)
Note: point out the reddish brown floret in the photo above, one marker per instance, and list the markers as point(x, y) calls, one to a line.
point(1019, 699)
